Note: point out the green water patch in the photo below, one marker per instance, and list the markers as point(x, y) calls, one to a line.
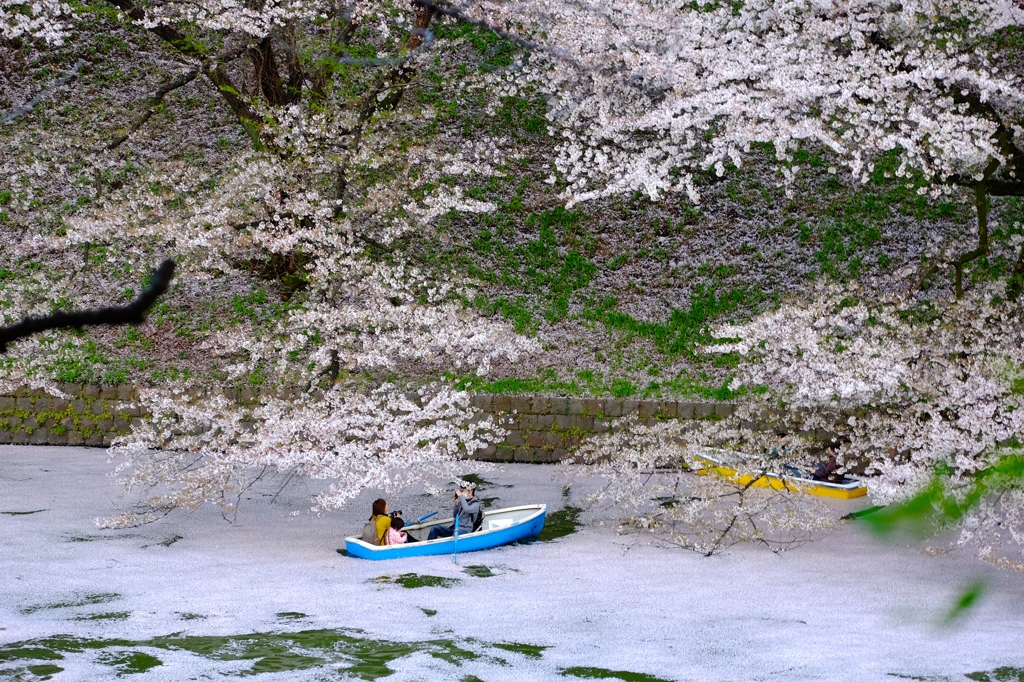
point(589, 673)
point(111, 615)
point(429, 612)
point(167, 542)
point(94, 538)
point(860, 514)
point(348, 652)
point(479, 571)
point(558, 524)
point(43, 672)
point(23, 513)
point(487, 502)
point(1003, 674)
point(414, 580)
point(290, 615)
point(343, 552)
point(191, 616)
point(528, 650)
point(481, 482)
point(129, 662)
point(84, 600)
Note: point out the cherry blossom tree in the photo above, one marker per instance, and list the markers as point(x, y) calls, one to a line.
point(901, 393)
point(342, 164)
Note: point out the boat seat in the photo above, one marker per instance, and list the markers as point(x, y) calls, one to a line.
point(498, 523)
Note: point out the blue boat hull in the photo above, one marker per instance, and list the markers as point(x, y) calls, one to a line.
point(484, 539)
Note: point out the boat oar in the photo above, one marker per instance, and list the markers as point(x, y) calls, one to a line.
point(455, 544)
point(424, 518)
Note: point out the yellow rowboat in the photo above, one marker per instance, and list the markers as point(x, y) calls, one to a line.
point(797, 481)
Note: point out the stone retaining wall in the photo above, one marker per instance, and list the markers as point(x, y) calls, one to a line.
point(90, 415)
point(541, 428)
point(548, 429)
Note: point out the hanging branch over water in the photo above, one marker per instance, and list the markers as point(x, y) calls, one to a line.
point(133, 313)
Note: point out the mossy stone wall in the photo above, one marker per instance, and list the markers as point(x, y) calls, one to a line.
point(541, 428)
point(549, 429)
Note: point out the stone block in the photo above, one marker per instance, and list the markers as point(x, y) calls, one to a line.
point(527, 422)
point(565, 422)
point(108, 392)
point(126, 393)
point(24, 404)
point(540, 405)
point(43, 404)
point(40, 437)
point(559, 405)
point(558, 454)
point(75, 438)
point(133, 411)
point(576, 406)
point(601, 425)
point(95, 440)
point(724, 410)
point(79, 406)
point(703, 410)
point(14, 422)
point(504, 454)
point(535, 439)
point(585, 424)
point(594, 407)
point(488, 452)
point(136, 422)
point(648, 408)
point(107, 439)
point(91, 391)
point(501, 403)
point(7, 403)
point(554, 439)
point(30, 422)
point(86, 423)
point(68, 422)
point(630, 406)
point(482, 401)
point(515, 439)
point(613, 407)
point(71, 389)
point(684, 410)
point(545, 421)
point(19, 438)
point(5, 436)
point(521, 403)
point(523, 455)
point(60, 405)
point(667, 409)
point(97, 407)
point(246, 395)
point(105, 424)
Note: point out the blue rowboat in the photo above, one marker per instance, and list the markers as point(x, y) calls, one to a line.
point(499, 527)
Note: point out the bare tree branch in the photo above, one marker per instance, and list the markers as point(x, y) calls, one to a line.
point(20, 111)
point(133, 313)
point(156, 99)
